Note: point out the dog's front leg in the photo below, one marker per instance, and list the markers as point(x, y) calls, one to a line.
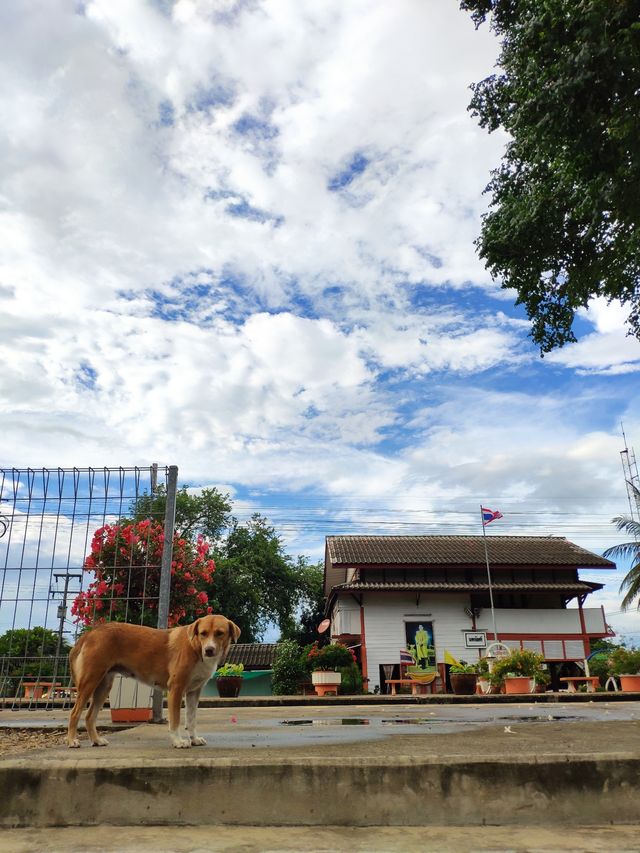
point(175, 701)
point(191, 701)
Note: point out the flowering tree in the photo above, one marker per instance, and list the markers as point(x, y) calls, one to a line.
point(125, 559)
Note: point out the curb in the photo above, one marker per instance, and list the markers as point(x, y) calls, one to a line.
point(535, 790)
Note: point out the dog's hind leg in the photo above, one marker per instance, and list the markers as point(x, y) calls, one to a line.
point(97, 701)
point(85, 692)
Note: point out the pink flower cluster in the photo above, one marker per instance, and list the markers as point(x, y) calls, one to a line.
point(125, 560)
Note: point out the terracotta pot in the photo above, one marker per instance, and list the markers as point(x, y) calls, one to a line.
point(326, 681)
point(517, 684)
point(131, 715)
point(463, 683)
point(228, 686)
point(630, 683)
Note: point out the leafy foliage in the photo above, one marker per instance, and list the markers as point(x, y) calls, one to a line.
point(258, 583)
point(203, 514)
point(331, 656)
point(30, 652)
point(624, 661)
point(519, 662)
point(288, 670)
point(629, 550)
point(564, 221)
point(235, 670)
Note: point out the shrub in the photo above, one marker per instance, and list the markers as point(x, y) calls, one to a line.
point(520, 663)
point(288, 670)
point(624, 661)
point(351, 680)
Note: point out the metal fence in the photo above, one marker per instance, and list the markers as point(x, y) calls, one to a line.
point(77, 546)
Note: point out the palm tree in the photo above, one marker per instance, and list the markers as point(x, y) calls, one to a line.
point(630, 550)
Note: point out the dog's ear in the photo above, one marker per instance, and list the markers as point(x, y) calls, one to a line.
point(234, 631)
point(192, 630)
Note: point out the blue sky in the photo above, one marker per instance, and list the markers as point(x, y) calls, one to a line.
point(238, 237)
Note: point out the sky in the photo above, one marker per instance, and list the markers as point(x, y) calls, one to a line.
point(237, 236)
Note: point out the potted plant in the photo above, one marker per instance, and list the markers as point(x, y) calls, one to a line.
point(517, 672)
point(625, 664)
point(229, 680)
point(483, 684)
point(324, 662)
point(464, 677)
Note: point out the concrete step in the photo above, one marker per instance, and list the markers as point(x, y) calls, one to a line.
point(196, 789)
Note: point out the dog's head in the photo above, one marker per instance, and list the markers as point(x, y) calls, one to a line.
point(211, 636)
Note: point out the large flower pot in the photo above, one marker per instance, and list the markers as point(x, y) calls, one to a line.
point(463, 683)
point(130, 701)
point(326, 681)
point(630, 683)
point(228, 686)
point(517, 684)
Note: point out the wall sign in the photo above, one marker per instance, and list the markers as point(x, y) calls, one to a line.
point(475, 639)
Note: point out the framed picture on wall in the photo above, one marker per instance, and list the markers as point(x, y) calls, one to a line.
point(420, 643)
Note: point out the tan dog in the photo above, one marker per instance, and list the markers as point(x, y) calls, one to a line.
point(180, 659)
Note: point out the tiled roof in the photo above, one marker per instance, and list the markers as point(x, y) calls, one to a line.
point(530, 586)
point(460, 550)
point(253, 655)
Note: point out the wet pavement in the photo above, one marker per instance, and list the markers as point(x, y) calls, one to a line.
point(399, 729)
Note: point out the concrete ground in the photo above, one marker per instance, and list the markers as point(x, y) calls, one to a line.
point(340, 839)
point(327, 731)
point(388, 764)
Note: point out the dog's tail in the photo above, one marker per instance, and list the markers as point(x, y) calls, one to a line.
point(73, 657)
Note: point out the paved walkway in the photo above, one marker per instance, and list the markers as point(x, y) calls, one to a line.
point(371, 839)
point(564, 765)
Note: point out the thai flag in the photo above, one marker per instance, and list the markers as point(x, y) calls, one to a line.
point(489, 515)
point(405, 657)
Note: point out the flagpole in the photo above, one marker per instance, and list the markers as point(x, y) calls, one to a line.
point(486, 557)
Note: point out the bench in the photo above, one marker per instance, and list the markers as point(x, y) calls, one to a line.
point(404, 682)
point(592, 681)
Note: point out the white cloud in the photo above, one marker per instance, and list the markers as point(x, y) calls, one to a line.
point(239, 237)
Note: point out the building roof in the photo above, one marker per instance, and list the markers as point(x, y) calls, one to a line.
point(460, 550)
point(253, 655)
point(573, 587)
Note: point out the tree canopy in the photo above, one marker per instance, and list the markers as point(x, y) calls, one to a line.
point(563, 225)
point(256, 582)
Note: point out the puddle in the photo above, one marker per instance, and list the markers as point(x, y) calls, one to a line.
point(425, 721)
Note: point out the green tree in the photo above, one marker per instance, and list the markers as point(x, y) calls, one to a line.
point(288, 669)
point(30, 652)
point(310, 603)
point(256, 582)
point(629, 551)
point(564, 219)
point(206, 513)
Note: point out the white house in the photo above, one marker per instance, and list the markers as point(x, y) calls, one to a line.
point(382, 589)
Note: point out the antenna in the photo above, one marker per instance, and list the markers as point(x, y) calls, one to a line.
point(631, 477)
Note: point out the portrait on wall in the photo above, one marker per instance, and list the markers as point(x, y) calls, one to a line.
point(420, 644)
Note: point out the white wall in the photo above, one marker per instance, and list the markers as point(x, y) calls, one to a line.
point(384, 618)
point(542, 621)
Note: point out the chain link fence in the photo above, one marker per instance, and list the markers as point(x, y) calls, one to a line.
point(77, 545)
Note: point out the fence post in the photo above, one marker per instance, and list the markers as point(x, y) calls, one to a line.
point(165, 572)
